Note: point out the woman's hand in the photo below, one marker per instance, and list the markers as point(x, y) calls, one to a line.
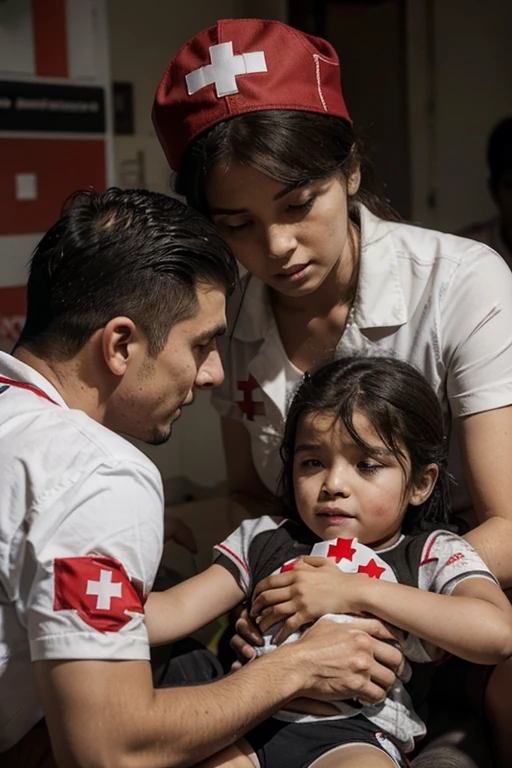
point(314, 587)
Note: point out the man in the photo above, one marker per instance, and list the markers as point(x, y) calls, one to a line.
point(126, 297)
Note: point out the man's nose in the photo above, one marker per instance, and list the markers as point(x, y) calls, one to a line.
point(211, 372)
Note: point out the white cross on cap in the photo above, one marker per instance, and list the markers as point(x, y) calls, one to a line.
point(224, 69)
point(105, 589)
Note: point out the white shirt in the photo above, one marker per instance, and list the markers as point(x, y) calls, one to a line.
point(81, 529)
point(440, 302)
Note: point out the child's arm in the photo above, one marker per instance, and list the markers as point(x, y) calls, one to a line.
point(185, 608)
point(473, 622)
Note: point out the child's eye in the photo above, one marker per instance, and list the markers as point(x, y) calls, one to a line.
point(311, 463)
point(368, 467)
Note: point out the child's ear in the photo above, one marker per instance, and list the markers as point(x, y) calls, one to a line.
point(424, 487)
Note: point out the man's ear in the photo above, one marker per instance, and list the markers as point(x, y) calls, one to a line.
point(122, 343)
point(424, 487)
point(354, 182)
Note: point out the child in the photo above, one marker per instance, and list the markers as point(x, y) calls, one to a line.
point(365, 488)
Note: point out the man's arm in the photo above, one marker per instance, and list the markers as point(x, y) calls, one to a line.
point(104, 713)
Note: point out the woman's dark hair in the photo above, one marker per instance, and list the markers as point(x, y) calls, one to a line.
point(122, 252)
point(290, 146)
point(402, 408)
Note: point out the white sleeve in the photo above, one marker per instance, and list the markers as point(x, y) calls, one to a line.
point(235, 549)
point(476, 333)
point(96, 549)
point(447, 560)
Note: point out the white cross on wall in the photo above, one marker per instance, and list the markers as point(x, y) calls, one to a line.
point(105, 589)
point(224, 69)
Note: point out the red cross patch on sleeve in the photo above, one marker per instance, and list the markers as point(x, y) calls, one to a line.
point(98, 589)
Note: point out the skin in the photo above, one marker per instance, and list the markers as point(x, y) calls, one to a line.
point(342, 491)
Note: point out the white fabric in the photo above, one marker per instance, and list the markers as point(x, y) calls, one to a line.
point(69, 488)
point(440, 302)
point(224, 69)
point(446, 560)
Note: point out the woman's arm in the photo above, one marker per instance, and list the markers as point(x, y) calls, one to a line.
point(486, 449)
point(474, 622)
point(248, 495)
point(185, 608)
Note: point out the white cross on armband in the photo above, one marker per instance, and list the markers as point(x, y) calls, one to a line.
point(224, 69)
point(105, 589)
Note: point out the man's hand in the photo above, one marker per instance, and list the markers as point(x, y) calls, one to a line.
point(178, 531)
point(248, 635)
point(349, 661)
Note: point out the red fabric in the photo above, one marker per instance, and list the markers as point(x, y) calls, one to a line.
point(302, 73)
point(104, 607)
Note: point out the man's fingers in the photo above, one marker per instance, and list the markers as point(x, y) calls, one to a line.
point(377, 628)
point(388, 655)
point(243, 650)
point(248, 630)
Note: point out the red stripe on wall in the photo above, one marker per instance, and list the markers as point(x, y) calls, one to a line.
point(50, 38)
point(61, 166)
point(13, 301)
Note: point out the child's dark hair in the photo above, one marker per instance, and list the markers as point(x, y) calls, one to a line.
point(403, 409)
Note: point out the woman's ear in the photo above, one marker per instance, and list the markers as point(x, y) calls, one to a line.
point(422, 489)
point(354, 181)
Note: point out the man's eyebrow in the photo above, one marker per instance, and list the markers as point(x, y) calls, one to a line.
point(213, 333)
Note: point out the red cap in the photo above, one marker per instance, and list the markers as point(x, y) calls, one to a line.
point(238, 66)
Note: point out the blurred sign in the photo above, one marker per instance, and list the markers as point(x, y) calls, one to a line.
point(43, 107)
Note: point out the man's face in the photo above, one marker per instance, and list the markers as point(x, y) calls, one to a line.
point(152, 396)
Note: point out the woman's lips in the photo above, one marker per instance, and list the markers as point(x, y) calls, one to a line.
point(294, 274)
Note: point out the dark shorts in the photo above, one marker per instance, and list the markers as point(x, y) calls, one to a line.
point(297, 745)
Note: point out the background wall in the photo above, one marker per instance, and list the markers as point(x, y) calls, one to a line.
point(459, 86)
point(55, 134)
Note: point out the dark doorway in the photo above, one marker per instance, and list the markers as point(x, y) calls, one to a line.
point(370, 39)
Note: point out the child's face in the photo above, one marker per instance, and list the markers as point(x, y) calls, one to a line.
point(341, 491)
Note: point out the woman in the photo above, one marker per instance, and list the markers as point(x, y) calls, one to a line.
point(251, 116)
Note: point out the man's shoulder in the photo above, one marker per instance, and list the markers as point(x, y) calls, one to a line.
point(39, 433)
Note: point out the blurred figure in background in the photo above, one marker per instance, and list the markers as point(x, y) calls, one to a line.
point(497, 232)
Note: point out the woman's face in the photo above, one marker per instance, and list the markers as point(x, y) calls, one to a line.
point(290, 238)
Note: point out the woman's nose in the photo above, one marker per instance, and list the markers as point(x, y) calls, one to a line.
point(281, 241)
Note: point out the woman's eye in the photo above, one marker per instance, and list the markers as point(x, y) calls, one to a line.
point(306, 206)
point(237, 227)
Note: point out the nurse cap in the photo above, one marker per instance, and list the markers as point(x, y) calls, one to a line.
point(239, 66)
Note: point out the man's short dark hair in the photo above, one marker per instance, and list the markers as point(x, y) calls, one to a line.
point(499, 150)
point(122, 252)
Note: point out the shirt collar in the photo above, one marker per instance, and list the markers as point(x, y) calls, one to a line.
point(14, 369)
point(379, 301)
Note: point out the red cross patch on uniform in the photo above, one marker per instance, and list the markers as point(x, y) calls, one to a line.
point(98, 589)
point(249, 407)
